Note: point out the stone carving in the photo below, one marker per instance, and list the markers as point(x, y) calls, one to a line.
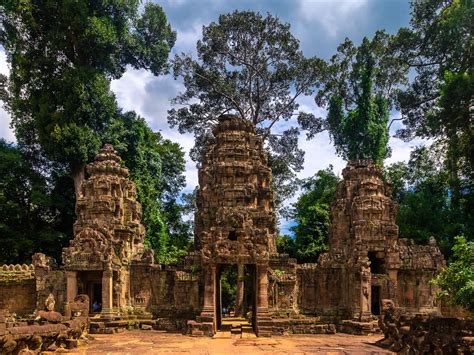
point(235, 221)
point(78, 308)
point(50, 302)
point(108, 229)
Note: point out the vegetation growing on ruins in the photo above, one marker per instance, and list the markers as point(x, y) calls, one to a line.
point(252, 66)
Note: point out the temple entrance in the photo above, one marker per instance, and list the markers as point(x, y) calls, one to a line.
point(90, 284)
point(375, 300)
point(236, 310)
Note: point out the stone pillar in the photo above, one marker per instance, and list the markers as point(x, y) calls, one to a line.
point(209, 309)
point(239, 302)
point(264, 321)
point(393, 283)
point(262, 288)
point(71, 282)
point(365, 291)
point(107, 293)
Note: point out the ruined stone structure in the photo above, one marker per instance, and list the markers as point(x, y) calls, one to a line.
point(366, 261)
point(235, 221)
point(424, 333)
point(234, 225)
point(108, 235)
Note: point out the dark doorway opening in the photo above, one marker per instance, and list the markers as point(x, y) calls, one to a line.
point(375, 300)
point(236, 311)
point(377, 262)
point(90, 283)
point(232, 235)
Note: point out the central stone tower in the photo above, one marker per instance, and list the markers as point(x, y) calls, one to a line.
point(235, 220)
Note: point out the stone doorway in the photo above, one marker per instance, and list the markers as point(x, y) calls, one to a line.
point(90, 284)
point(236, 298)
point(375, 300)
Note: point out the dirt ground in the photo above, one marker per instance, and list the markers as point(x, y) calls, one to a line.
point(142, 342)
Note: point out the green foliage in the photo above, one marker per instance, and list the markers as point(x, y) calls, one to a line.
point(27, 216)
point(311, 214)
point(63, 55)
point(156, 166)
point(251, 66)
point(457, 279)
point(362, 132)
point(436, 103)
point(229, 277)
point(286, 245)
point(426, 208)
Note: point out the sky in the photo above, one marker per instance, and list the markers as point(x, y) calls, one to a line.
point(320, 25)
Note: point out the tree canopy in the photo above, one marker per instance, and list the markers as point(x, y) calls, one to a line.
point(249, 65)
point(359, 88)
point(63, 55)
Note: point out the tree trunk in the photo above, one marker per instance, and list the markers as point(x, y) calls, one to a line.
point(78, 177)
point(239, 304)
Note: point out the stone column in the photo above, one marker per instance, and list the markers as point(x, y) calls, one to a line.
point(107, 293)
point(264, 321)
point(393, 285)
point(239, 302)
point(71, 282)
point(208, 310)
point(262, 288)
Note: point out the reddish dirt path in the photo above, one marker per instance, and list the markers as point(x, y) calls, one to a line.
point(154, 342)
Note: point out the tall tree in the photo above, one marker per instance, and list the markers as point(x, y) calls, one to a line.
point(359, 89)
point(251, 66)
point(311, 213)
point(426, 208)
point(63, 55)
point(438, 47)
point(27, 215)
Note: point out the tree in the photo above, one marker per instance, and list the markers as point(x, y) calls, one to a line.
point(157, 167)
point(457, 279)
point(436, 103)
point(27, 215)
point(286, 245)
point(359, 89)
point(312, 213)
point(426, 206)
point(251, 66)
point(63, 55)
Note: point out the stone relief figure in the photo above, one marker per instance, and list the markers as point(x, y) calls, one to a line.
point(50, 302)
point(365, 287)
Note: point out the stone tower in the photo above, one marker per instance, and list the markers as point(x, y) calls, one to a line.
point(363, 237)
point(235, 221)
point(363, 214)
point(108, 234)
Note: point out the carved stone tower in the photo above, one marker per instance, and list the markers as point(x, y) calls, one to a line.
point(108, 235)
point(235, 221)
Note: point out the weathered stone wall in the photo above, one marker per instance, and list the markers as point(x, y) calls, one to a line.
point(425, 334)
point(318, 287)
point(282, 286)
point(165, 293)
point(17, 289)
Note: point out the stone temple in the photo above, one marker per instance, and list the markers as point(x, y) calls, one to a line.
point(235, 224)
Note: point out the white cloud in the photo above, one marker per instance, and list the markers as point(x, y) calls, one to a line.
point(5, 119)
point(333, 15)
